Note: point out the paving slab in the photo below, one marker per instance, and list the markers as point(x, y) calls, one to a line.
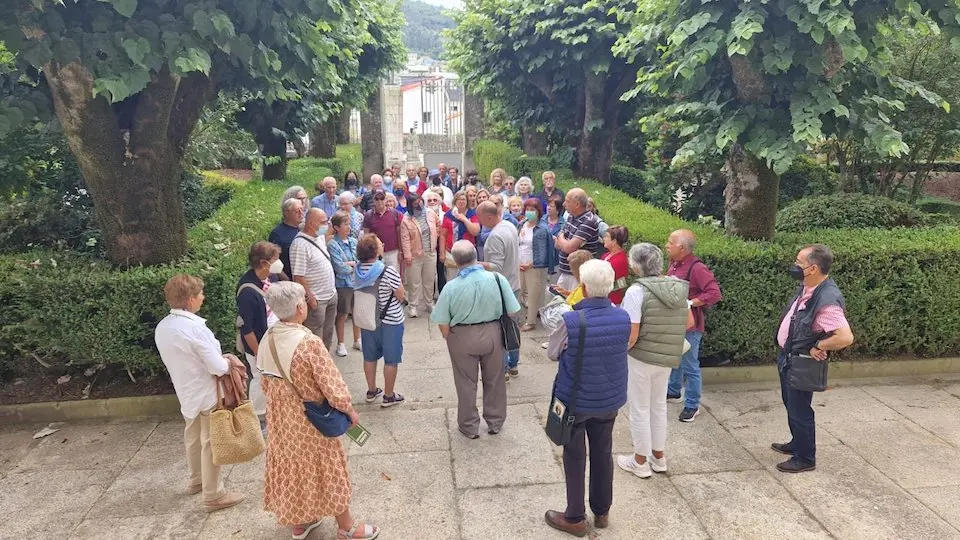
point(944, 501)
point(704, 446)
point(401, 430)
point(764, 426)
point(406, 495)
point(650, 508)
point(850, 404)
point(519, 454)
point(249, 521)
point(172, 526)
point(746, 504)
point(511, 512)
point(88, 446)
point(905, 452)
point(15, 444)
point(726, 405)
point(908, 397)
point(48, 503)
point(420, 387)
point(855, 501)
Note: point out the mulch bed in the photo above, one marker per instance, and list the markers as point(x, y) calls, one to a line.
point(42, 385)
point(946, 185)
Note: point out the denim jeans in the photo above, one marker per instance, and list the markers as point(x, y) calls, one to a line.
point(511, 359)
point(800, 415)
point(688, 371)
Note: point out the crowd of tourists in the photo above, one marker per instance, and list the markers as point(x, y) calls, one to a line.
point(479, 258)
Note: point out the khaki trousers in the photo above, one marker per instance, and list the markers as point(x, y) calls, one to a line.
point(322, 321)
point(473, 348)
point(533, 283)
point(421, 280)
point(196, 439)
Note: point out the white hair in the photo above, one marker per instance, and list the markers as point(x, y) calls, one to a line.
point(464, 253)
point(646, 259)
point(283, 297)
point(348, 197)
point(288, 204)
point(374, 177)
point(291, 193)
point(524, 180)
point(597, 277)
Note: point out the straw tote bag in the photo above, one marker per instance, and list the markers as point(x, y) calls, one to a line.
point(235, 435)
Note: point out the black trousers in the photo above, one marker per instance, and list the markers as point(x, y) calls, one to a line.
point(599, 430)
point(441, 273)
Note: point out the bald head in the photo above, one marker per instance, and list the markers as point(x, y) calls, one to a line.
point(330, 186)
point(576, 201)
point(488, 214)
point(681, 244)
point(316, 218)
point(464, 253)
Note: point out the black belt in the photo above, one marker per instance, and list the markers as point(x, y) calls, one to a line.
point(475, 323)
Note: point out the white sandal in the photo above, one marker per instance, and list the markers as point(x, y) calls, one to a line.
point(369, 532)
point(307, 531)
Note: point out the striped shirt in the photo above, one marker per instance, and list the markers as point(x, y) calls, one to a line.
point(313, 263)
point(389, 282)
point(585, 227)
point(828, 320)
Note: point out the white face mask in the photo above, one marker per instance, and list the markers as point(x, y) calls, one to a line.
point(276, 266)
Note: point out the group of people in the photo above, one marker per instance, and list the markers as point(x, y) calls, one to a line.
point(469, 255)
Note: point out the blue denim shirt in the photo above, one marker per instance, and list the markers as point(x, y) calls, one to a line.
point(553, 254)
point(542, 247)
point(342, 251)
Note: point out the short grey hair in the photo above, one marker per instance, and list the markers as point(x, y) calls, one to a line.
point(820, 255)
point(291, 193)
point(375, 177)
point(646, 259)
point(347, 197)
point(580, 196)
point(524, 180)
point(464, 253)
point(288, 204)
point(597, 277)
point(283, 297)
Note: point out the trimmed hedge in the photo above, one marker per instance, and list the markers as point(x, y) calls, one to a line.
point(532, 166)
point(629, 180)
point(847, 211)
point(351, 158)
point(489, 155)
point(80, 309)
point(901, 286)
point(307, 172)
point(940, 206)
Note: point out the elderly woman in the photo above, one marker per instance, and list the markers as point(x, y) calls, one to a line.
point(348, 203)
point(459, 223)
point(299, 193)
point(392, 202)
point(508, 184)
point(525, 188)
point(419, 236)
point(554, 222)
point(306, 474)
point(601, 392)
point(497, 178)
point(535, 245)
point(659, 318)
point(471, 193)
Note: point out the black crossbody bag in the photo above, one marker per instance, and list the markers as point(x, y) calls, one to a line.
point(807, 374)
point(562, 415)
point(509, 328)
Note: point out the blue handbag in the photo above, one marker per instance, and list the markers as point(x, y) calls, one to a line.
point(330, 422)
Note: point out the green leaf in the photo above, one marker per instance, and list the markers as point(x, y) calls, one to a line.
point(136, 49)
point(194, 60)
point(124, 7)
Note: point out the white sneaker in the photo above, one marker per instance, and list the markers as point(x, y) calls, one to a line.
point(629, 464)
point(413, 313)
point(356, 346)
point(658, 465)
point(341, 350)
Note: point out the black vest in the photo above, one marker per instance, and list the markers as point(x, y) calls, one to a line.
point(802, 337)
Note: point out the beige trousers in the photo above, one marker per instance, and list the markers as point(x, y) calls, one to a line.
point(322, 321)
point(533, 283)
point(472, 349)
point(203, 472)
point(422, 280)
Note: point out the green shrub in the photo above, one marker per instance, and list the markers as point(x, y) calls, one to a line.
point(489, 155)
point(78, 309)
point(351, 158)
point(532, 166)
point(939, 206)
point(847, 211)
point(629, 180)
point(307, 172)
point(901, 298)
point(806, 178)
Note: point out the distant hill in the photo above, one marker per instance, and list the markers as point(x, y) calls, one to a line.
point(425, 23)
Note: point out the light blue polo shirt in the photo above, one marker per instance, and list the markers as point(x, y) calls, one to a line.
point(474, 298)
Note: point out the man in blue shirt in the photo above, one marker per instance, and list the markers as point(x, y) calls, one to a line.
point(468, 312)
point(327, 200)
point(288, 229)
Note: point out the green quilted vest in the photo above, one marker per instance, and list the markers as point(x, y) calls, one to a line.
point(664, 326)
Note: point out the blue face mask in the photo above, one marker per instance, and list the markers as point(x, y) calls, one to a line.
point(531, 215)
point(388, 182)
point(322, 231)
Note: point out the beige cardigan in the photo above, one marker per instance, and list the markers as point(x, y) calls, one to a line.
point(410, 240)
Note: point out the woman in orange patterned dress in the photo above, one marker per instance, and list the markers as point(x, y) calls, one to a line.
point(306, 474)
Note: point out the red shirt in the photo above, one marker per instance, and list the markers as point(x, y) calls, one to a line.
point(420, 188)
point(386, 226)
point(702, 285)
point(621, 269)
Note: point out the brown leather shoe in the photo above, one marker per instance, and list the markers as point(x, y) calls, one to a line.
point(559, 522)
point(228, 500)
point(601, 522)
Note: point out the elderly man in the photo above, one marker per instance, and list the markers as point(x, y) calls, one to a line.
point(468, 313)
point(376, 184)
point(456, 183)
point(416, 182)
point(501, 254)
point(385, 223)
point(347, 202)
point(445, 176)
point(327, 200)
point(313, 269)
point(288, 229)
point(549, 180)
point(581, 231)
point(812, 324)
point(704, 293)
point(300, 194)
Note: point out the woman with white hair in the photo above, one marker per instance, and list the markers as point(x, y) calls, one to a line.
point(299, 193)
point(602, 329)
point(348, 204)
point(524, 188)
point(659, 318)
point(306, 476)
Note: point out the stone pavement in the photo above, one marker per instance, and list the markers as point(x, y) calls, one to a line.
point(888, 467)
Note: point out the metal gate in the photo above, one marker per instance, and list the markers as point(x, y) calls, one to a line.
point(434, 127)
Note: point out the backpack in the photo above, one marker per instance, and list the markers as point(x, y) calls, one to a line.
point(239, 323)
point(366, 304)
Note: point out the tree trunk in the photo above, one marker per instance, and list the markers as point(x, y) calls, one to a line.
point(599, 129)
point(371, 136)
point(130, 155)
point(274, 149)
point(299, 146)
point(534, 142)
point(323, 139)
point(343, 126)
point(751, 196)
point(473, 127)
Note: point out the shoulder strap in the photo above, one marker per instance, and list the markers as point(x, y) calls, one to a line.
point(578, 366)
point(690, 270)
point(276, 358)
point(503, 301)
point(250, 286)
point(788, 344)
point(383, 312)
point(316, 245)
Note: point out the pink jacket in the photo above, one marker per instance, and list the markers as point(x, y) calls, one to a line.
point(410, 240)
